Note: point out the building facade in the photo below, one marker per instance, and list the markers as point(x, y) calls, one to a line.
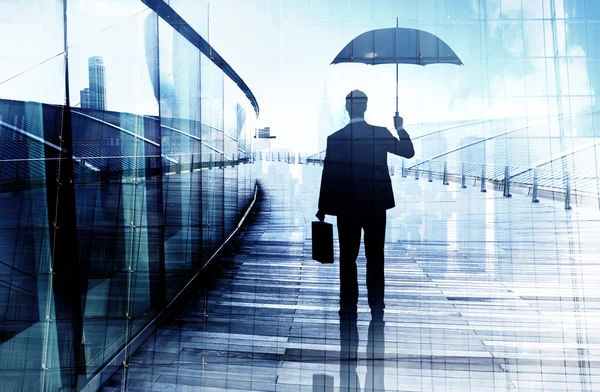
point(109, 209)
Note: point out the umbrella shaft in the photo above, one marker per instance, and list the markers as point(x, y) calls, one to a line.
point(396, 88)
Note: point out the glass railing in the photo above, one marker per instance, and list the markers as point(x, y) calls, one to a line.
point(543, 157)
point(119, 179)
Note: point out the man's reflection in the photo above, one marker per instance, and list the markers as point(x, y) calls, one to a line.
point(349, 353)
point(375, 354)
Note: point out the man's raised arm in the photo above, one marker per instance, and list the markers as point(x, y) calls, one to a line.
point(403, 146)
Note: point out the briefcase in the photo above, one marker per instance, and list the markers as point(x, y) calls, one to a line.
point(322, 242)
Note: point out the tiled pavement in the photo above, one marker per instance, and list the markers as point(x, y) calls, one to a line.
point(483, 293)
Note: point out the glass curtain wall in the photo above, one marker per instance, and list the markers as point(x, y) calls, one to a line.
point(531, 75)
point(31, 351)
point(213, 200)
point(122, 170)
point(532, 60)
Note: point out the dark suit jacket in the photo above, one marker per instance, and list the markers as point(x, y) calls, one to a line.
point(355, 173)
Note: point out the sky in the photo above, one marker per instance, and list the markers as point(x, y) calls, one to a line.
point(291, 44)
point(283, 50)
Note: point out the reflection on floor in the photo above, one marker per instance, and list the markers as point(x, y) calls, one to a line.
point(483, 293)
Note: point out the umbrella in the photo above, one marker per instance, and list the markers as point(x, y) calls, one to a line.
point(397, 46)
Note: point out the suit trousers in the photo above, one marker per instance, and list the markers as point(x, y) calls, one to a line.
point(349, 233)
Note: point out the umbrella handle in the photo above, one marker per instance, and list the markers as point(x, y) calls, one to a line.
point(396, 120)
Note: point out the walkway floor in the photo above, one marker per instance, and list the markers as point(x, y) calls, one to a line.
point(483, 293)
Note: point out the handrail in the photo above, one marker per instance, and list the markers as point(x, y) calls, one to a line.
point(545, 161)
point(190, 135)
point(169, 15)
point(452, 127)
point(119, 128)
point(193, 137)
point(181, 132)
point(494, 137)
point(429, 133)
point(40, 140)
point(32, 136)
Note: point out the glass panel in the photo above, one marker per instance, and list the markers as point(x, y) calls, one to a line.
point(511, 9)
point(574, 8)
point(117, 156)
point(493, 8)
point(31, 76)
point(181, 146)
point(592, 9)
point(579, 83)
point(514, 78)
point(194, 12)
point(106, 69)
point(212, 155)
point(533, 9)
point(512, 36)
point(576, 37)
point(230, 151)
point(535, 77)
point(494, 39)
point(34, 55)
point(593, 45)
point(533, 34)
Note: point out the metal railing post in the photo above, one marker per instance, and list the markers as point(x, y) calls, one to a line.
point(83, 171)
point(534, 191)
point(506, 192)
point(483, 178)
point(403, 169)
point(232, 159)
point(445, 176)
point(567, 191)
point(430, 176)
point(463, 178)
point(417, 170)
point(210, 160)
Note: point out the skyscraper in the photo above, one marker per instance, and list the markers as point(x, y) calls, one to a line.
point(97, 92)
point(84, 98)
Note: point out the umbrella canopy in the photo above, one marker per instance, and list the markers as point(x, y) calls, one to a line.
point(397, 46)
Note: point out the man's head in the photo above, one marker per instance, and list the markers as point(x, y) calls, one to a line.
point(356, 104)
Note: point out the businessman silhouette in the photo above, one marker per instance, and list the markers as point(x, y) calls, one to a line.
point(356, 187)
